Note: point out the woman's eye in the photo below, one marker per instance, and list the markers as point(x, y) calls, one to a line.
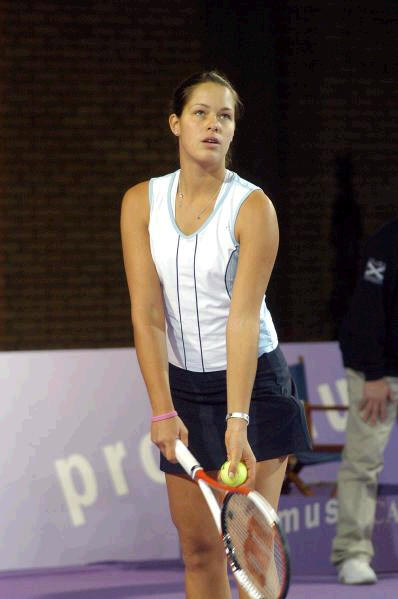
point(226, 115)
point(199, 112)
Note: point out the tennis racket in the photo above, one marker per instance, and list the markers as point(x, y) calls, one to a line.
point(254, 542)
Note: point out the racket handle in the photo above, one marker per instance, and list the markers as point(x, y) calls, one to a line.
point(186, 459)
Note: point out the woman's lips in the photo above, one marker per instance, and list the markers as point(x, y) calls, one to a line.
point(211, 140)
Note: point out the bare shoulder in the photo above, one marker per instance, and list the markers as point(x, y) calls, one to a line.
point(257, 204)
point(256, 213)
point(135, 202)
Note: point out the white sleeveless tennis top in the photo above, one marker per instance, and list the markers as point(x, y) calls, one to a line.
point(197, 272)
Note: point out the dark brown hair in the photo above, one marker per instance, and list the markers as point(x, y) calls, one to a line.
point(183, 91)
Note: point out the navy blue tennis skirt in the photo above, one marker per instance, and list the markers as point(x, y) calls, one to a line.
point(277, 419)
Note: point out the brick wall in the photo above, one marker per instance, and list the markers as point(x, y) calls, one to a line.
point(338, 101)
point(3, 182)
point(85, 117)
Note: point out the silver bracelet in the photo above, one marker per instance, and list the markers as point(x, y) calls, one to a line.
point(242, 415)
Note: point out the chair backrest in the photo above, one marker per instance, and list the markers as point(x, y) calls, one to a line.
point(297, 372)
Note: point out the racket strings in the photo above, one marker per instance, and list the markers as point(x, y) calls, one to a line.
point(256, 546)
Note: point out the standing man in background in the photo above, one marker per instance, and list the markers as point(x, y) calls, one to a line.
point(369, 345)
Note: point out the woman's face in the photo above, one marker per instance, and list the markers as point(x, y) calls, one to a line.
point(206, 126)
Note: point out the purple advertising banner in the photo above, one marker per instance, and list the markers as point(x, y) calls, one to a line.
point(80, 477)
point(310, 524)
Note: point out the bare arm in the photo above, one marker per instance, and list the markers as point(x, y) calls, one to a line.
point(256, 230)
point(148, 315)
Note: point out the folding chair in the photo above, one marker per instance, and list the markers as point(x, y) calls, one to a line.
point(322, 452)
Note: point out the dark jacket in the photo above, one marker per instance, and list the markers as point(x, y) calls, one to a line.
point(369, 333)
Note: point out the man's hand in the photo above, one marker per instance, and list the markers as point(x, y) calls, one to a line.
point(376, 395)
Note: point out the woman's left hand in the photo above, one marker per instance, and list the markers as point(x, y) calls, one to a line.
point(239, 450)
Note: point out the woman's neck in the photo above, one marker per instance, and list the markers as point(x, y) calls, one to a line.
point(196, 180)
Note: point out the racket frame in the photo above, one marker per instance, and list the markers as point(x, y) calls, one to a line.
point(273, 520)
point(196, 472)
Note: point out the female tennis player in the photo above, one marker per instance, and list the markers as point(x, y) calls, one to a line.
point(199, 247)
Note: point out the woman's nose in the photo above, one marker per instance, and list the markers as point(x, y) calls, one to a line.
point(213, 123)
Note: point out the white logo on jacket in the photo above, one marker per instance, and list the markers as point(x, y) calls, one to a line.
point(374, 271)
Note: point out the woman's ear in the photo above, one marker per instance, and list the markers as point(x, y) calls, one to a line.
point(174, 123)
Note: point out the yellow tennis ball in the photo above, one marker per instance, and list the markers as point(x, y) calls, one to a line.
point(238, 479)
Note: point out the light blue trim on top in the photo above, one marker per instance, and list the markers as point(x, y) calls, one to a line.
point(150, 194)
point(230, 271)
point(265, 343)
point(220, 199)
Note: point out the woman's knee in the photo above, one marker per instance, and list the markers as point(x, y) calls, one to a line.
point(199, 553)
point(199, 539)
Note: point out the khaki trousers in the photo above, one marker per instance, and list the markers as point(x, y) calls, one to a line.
point(363, 460)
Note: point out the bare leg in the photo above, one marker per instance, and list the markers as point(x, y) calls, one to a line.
point(201, 546)
point(269, 479)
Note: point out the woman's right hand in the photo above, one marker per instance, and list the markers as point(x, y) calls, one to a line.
point(164, 434)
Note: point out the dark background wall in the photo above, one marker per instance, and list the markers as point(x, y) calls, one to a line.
point(86, 91)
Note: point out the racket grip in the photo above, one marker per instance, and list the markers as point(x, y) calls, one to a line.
point(186, 459)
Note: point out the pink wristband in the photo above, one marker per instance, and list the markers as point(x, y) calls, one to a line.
point(165, 416)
